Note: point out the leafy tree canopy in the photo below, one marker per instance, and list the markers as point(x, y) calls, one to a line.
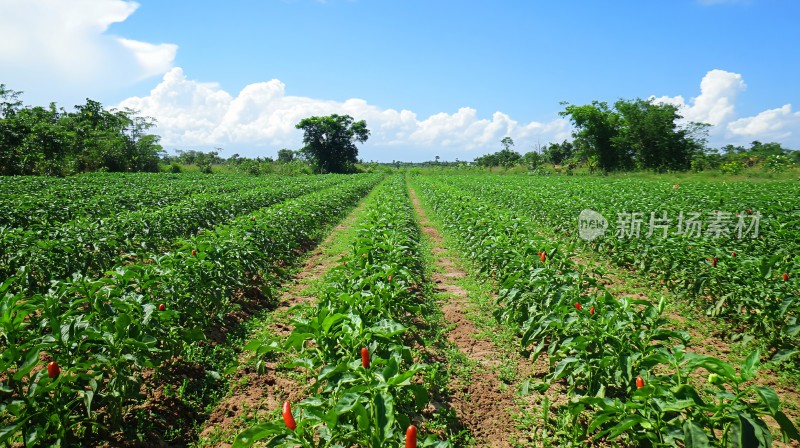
point(330, 142)
point(635, 134)
point(52, 141)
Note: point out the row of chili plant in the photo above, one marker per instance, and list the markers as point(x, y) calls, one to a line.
point(41, 203)
point(616, 356)
point(73, 357)
point(353, 343)
point(90, 246)
point(753, 283)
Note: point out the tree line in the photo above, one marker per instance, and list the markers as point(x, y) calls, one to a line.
point(36, 140)
point(639, 135)
point(628, 135)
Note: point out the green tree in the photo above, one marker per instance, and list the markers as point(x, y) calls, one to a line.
point(330, 142)
point(596, 125)
point(637, 133)
point(650, 132)
point(51, 141)
point(557, 153)
point(507, 142)
point(285, 155)
point(10, 138)
point(533, 160)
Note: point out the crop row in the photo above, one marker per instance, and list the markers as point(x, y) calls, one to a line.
point(753, 282)
point(616, 356)
point(36, 203)
point(354, 342)
point(91, 246)
point(100, 334)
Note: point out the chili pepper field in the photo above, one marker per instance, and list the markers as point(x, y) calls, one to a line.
point(398, 309)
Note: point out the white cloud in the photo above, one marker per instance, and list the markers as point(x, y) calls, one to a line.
point(261, 118)
point(192, 113)
point(770, 125)
point(715, 104)
point(49, 46)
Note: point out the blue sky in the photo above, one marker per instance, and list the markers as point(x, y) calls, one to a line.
point(433, 77)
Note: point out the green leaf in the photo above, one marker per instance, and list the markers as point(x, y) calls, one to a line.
point(249, 436)
point(787, 427)
point(362, 417)
point(783, 355)
point(346, 403)
point(694, 436)
point(384, 409)
point(791, 330)
point(10, 430)
point(750, 365)
point(745, 434)
point(770, 398)
point(31, 359)
point(387, 329)
point(88, 395)
point(391, 369)
point(627, 423)
point(599, 420)
point(713, 365)
point(330, 321)
point(561, 366)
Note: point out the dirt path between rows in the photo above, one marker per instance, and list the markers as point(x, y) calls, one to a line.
point(481, 404)
point(253, 395)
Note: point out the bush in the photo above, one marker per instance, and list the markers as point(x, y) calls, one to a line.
point(731, 168)
point(777, 163)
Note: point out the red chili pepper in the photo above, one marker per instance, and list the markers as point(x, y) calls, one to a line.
point(639, 382)
point(53, 370)
point(714, 262)
point(194, 252)
point(162, 307)
point(543, 256)
point(578, 306)
point(365, 358)
point(785, 277)
point(733, 254)
point(411, 437)
point(591, 310)
point(748, 211)
point(288, 419)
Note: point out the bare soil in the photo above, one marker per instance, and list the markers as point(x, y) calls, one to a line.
point(482, 404)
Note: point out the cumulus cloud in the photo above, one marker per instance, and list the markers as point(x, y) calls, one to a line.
point(770, 125)
point(261, 118)
point(47, 47)
point(715, 104)
point(192, 113)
